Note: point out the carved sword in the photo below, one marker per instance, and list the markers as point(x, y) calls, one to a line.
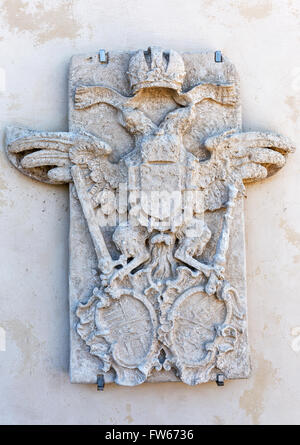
point(105, 262)
point(219, 260)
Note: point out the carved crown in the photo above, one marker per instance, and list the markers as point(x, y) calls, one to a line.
point(156, 68)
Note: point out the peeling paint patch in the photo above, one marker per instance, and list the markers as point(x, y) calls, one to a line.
point(255, 10)
point(218, 420)
point(14, 103)
point(294, 104)
point(291, 235)
point(128, 418)
point(274, 319)
point(26, 341)
point(293, 7)
point(44, 21)
point(252, 400)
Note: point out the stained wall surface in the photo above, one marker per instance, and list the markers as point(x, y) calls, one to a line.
point(37, 40)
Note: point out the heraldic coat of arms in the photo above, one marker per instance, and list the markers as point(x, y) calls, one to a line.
point(157, 164)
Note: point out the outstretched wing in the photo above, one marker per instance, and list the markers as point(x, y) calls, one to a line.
point(58, 158)
point(134, 120)
point(86, 96)
point(45, 156)
point(239, 158)
point(224, 94)
point(41, 155)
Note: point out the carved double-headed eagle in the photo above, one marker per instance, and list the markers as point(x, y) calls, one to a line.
point(158, 153)
point(239, 157)
point(235, 157)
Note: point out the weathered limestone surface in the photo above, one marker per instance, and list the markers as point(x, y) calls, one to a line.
point(157, 164)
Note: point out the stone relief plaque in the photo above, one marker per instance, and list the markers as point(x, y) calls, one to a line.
point(157, 163)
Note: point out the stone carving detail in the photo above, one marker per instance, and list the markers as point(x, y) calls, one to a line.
point(157, 282)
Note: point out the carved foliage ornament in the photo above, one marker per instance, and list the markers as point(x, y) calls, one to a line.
point(157, 165)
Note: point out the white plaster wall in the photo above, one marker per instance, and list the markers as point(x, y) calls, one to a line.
point(37, 39)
